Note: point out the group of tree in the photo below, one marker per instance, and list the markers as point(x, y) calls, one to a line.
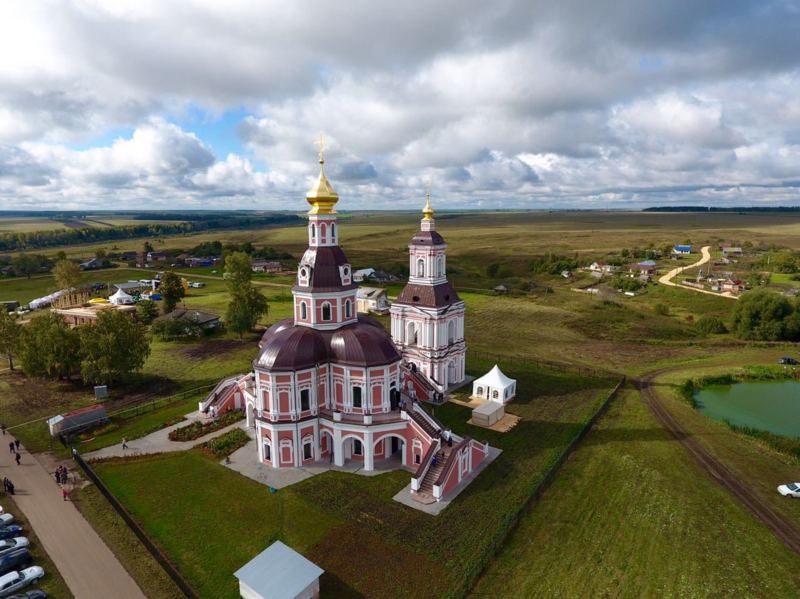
point(217, 248)
point(553, 264)
point(762, 315)
point(106, 351)
point(26, 265)
point(172, 291)
point(20, 240)
point(247, 303)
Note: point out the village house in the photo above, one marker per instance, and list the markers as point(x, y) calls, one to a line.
point(372, 300)
point(199, 262)
point(362, 274)
point(205, 320)
point(647, 269)
point(92, 264)
point(271, 266)
point(734, 286)
point(88, 314)
point(731, 251)
point(602, 267)
point(682, 250)
point(156, 256)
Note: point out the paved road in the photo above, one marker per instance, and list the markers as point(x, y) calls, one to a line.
point(85, 562)
point(761, 509)
point(667, 278)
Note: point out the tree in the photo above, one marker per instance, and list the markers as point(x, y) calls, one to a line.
point(146, 310)
point(492, 270)
point(9, 336)
point(25, 264)
point(762, 315)
point(48, 347)
point(67, 274)
point(172, 291)
point(112, 348)
point(247, 303)
point(148, 247)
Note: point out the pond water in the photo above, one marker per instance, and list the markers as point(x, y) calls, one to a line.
point(770, 405)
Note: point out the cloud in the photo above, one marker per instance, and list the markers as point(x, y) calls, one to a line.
point(508, 103)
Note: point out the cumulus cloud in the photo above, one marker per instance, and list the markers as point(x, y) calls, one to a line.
point(512, 103)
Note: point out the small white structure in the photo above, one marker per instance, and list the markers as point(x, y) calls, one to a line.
point(488, 414)
point(279, 572)
point(495, 386)
point(372, 299)
point(363, 274)
point(120, 298)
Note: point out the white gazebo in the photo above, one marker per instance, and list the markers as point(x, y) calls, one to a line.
point(120, 298)
point(495, 386)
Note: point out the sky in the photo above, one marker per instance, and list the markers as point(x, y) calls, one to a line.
point(201, 104)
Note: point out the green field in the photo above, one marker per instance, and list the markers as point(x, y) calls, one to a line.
point(630, 515)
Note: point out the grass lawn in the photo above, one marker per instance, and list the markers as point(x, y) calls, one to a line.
point(630, 515)
point(400, 552)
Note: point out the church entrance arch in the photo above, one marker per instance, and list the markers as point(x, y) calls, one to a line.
point(389, 447)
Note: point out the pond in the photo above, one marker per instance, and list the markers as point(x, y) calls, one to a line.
point(772, 406)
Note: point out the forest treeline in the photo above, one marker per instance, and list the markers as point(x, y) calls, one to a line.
point(28, 240)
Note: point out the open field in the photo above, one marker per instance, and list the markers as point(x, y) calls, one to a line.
point(630, 515)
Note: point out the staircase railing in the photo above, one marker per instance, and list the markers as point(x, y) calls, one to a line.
point(425, 465)
point(437, 426)
point(452, 459)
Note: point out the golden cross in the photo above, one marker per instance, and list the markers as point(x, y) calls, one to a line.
point(320, 143)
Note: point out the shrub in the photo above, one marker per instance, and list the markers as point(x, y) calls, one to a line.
point(197, 429)
point(226, 444)
point(661, 309)
point(711, 325)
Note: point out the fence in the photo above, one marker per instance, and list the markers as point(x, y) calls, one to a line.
point(162, 560)
point(495, 547)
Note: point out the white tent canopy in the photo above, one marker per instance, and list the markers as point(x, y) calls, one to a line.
point(495, 386)
point(120, 298)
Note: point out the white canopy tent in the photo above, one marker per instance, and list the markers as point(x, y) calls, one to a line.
point(495, 386)
point(120, 298)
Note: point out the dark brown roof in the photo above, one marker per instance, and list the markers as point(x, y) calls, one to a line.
point(325, 269)
point(428, 296)
point(286, 346)
point(427, 238)
point(190, 315)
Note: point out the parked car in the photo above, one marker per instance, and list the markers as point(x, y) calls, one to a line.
point(7, 532)
point(14, 581)
point(788, 360)
point(7, 545)
point(15, 559)
point(6, 519)
point(34, 594)
point(790, 490)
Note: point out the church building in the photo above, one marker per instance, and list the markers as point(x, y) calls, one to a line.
point(330, 385)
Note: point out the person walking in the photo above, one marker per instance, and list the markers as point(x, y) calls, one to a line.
point(64, 475)
point(64, 493)
point(17, 458)
point(16, 444)
point(124, 443)
point(57, 475)
point(11, 447)
point(3, 428)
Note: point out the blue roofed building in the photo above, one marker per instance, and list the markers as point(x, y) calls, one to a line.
point(279, 572)
point(682, 249)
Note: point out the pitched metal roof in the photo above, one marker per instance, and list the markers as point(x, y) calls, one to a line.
point(428, 296)
point(279, 572)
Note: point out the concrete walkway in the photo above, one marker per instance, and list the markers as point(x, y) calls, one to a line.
point(159, 442)
point(84, 561)
point(667, 278)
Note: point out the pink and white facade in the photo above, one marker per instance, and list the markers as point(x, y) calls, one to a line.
point(327, 384)
point(428, 316)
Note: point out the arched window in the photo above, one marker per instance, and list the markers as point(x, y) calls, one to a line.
point(480, 391)
point(411, 337)
point(333, 232)
point(313, 231)
point(420, 267)
point(303, 311)
point(347, 309)
point(495, 394)
point(326, 311)
point(451, 331)
point(322, 231)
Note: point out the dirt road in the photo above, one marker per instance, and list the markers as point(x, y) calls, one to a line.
point(87, 565)
point(781, 528)
point(667, 278)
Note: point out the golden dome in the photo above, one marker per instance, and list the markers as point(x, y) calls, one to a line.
point(321, 196)
point(427, 211)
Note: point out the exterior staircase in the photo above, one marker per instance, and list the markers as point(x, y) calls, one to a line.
point(425, 493)
point(424, 424)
